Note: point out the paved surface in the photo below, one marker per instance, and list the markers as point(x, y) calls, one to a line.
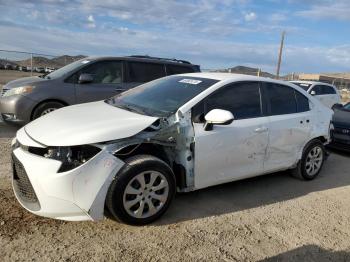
point(269, 218)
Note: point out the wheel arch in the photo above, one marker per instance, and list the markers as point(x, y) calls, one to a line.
point(47, 101)
point(158, 151)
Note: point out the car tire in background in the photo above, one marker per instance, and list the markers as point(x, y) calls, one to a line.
point(46, 108)
point(142, 191)
point(312, 160)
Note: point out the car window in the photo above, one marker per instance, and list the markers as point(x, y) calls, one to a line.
point(282, 99)
point(161, 97)
point(145, 72)
point(328, 90)
point(174, 70)
point(302, 102)
point(104, 72)
point(304, 86)
point(318, 90)
point(243, 100)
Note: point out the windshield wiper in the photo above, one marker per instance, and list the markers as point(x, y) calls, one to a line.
point(131, 108)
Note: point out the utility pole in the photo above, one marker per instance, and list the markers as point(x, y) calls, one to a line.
point(31, 64)
point(280, 55)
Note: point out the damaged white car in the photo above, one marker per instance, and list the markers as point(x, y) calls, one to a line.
point(128, 155)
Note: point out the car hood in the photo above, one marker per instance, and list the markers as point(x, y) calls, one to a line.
point(86, 124)
point(341, 117)
point(24, 81)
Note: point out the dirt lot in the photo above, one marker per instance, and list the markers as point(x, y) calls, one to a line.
point(8, 75)
point(271, 218)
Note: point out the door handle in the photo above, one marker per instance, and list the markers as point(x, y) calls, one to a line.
point(261, 129)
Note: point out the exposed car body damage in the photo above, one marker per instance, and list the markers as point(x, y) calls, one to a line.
point(176, 136)
point(68, 161)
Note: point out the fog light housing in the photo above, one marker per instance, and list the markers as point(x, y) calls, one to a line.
point(9, 116)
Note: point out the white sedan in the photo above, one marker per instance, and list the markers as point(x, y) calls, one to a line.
point(131, 153)
point(326, 93)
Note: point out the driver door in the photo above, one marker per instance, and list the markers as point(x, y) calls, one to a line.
point(235, 151)
point(107, 81)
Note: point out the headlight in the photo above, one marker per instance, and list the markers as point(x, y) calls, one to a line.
point(14, 144)
point(71, 157)
point(19, 90)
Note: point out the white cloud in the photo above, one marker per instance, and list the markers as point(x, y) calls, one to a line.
point(91, 19)
point(249, 17)
point(209, 53)
point(277, 17)
point(339, 10)
point(91, 22)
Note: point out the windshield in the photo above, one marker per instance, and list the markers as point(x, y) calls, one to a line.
point(67, 69)
point(161, 97)
point(347, 106)
point(303, 85)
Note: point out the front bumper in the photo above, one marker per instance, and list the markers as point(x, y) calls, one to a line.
point(16, 109)
point(78, 194)
point(340, 140)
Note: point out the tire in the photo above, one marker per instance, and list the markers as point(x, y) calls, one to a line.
point(131, 202)
point(46, 108)
point(311, 163)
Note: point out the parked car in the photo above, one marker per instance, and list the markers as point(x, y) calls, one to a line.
point(326, 93)
point(49, 69)
point(130, 153)
point(40, 69)
point(340, 133)
point(86, 80)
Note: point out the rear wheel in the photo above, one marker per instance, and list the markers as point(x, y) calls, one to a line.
point(142, 190)
point(46, 108)
point(312, 161)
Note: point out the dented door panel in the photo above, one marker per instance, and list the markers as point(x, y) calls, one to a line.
point(231, 152)
point(287, 135)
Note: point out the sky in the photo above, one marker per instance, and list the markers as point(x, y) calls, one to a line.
point(212, 33)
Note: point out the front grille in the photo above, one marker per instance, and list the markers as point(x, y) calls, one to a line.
point(341, 134)
point(22, 185)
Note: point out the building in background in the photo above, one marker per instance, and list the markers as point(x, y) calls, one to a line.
point(341, 81)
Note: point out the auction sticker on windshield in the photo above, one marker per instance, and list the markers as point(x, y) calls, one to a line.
point(190, 81)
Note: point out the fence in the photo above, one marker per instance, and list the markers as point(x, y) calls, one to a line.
point(33, 62)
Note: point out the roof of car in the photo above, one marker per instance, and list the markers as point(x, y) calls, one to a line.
point(142, 59)
point(310, 82)
point(232, 77)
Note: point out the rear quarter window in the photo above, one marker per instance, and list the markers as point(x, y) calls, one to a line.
point(328, 90)
point(144, 72)
point(174, 70)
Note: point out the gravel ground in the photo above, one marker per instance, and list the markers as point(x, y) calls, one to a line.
point(269, 218)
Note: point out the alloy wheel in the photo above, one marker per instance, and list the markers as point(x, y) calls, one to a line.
point(314, 161)
point(48, 110)
point(146, 194)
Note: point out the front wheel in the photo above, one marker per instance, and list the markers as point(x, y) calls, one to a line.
point(142, 190)
point(311, 162)
point(46, 108)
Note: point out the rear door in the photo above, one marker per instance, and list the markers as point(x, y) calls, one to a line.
point(290, 122)
point(142, 72)
point(107, 81)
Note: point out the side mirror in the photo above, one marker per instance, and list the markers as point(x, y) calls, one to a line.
point(85, 78)
point(217, 117)
point(313, 93)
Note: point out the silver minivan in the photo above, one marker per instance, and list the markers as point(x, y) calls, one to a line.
point(87, 80)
